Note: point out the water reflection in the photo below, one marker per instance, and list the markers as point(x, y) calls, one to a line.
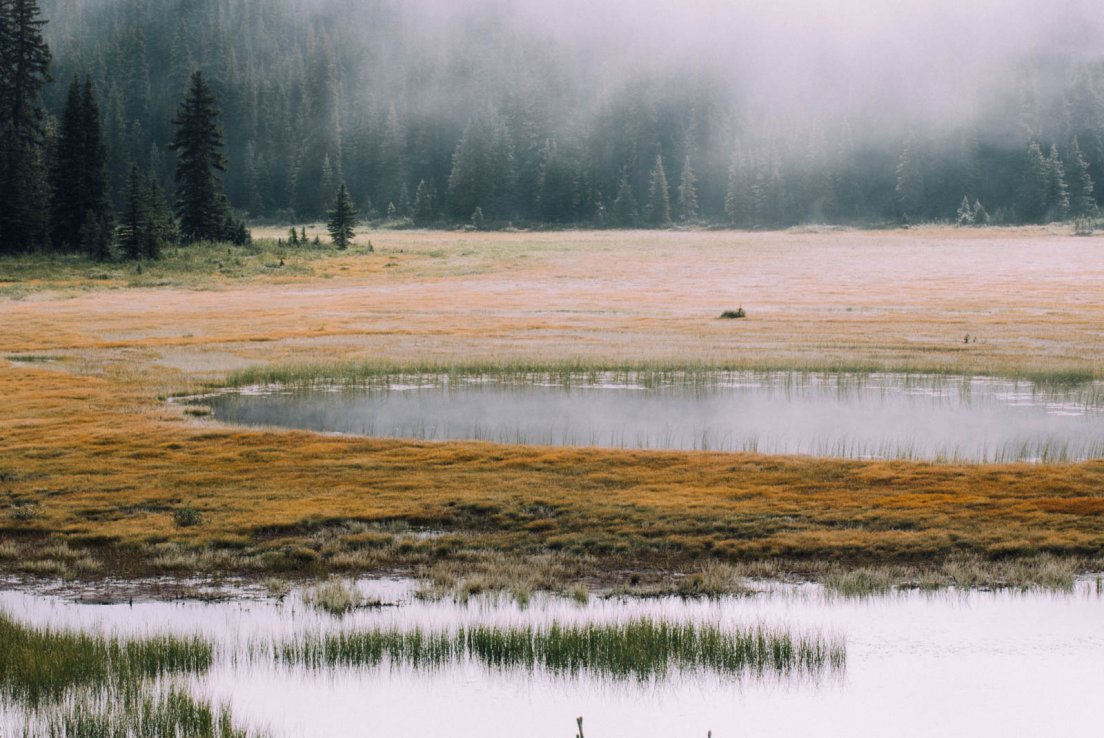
point(948, 663)
point(893, 416)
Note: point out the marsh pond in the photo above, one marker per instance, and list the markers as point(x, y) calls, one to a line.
point(860, 416)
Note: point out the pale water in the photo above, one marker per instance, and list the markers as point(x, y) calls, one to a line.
point(917, 664)
point(842, 415)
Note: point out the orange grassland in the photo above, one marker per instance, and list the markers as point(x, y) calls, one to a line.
point(94, 463)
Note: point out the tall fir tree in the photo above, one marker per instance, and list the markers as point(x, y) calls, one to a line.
point(738, 192)
point(342, 219)
point(134, 220)
point(1035, 183)
point(197, 141)
point(624, 214)
point(1082, 202)
point(24, 72)
point(1058, 200)
point(909, 189)
point(78, 175)
point(425, 204)
point(658, 209)
point(688, 207)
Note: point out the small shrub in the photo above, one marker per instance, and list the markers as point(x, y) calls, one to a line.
point(187, 517)
point(25, 512)
point(734, 314)
point(335, 597)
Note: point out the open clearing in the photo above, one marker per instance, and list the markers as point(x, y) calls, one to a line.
point(92, 457)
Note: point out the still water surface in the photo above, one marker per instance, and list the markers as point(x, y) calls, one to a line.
point(918, 664)
point(843, 415)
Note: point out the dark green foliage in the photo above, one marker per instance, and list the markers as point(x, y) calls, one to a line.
point(425, 204)
point(658, 209)
point(96, 235)
point(738, 194)
point(145, 223)
point(688, 207)
point(307, 103)
point(478, 222)
point(78, 177)
point(24, 72)
point(910, 180)
point(1035, 186)
point(624, 213)
point(197, 141)
point(1082, 203)
point(556, 195)
point(1058, 201)
point(343, 216)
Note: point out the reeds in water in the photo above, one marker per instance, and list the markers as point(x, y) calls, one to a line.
point(643, 649)
point(38, 665)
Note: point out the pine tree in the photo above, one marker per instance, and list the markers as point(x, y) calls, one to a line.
point(689, 210)
point(96, 236)
point(328, 185)
point(1058, 200)
point(66, 175)
point(78, 176)
point(161, 228)
point(981, 216)
point(469, 182)
point(197, 141)
point(910, 180)
point(24, 72)
point(1034, 186)
point(1082, 203)
point(556, 193)
point(425, 204)
point(134, 221)
point(658, 209)
point(738, 193)
point(478, 222)
point(623, 213)
point(965, 212)
point(342, 223)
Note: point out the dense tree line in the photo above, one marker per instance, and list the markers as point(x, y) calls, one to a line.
point(434, 124)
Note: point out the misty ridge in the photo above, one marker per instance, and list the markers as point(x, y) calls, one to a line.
point(612, 114)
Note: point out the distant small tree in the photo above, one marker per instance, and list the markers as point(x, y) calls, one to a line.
point(425, 204)
point(1034, 186)
point(96, 236)
point(689, 210)
point(1058, 199)
point(478, 222)
point(342, 223)
point(624, 213)
point(981, 216)
point(1082, 203)
point(134, 221)
point(965, 212)
point(910, 180)
point(658, 210)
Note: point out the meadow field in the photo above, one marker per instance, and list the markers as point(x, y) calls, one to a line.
point(101, 475)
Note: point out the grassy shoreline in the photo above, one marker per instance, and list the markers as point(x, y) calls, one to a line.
point(649, 373)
